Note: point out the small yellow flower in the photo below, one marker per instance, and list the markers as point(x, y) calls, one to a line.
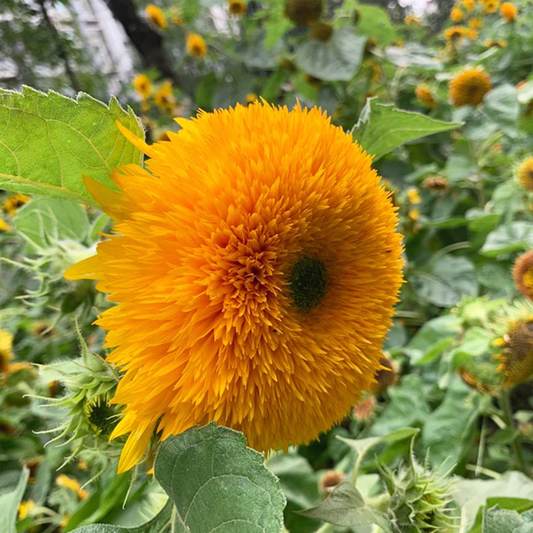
point(25, 508)
point(4, 226)
point(523, 275)
point(456, 15)
point(508, 11)
point(412, 20)
point(64, 520)
point(82, 465)
point(469, 5)
point(489, 43)
point(413, 196)
point(237, 7)
point(164, 97)
point(14, 202)
point(454, 33)
point(525, 173)
point(475, 24)
point(6, 350)
point(469, 87)
point(414, 214)
point(143, 86)
point(471, 34)
point(425, 96)
point(156, 16)
point(176, 18)
point(491, 6)
point(251, 98)
point(71, 484)
point(196, 45)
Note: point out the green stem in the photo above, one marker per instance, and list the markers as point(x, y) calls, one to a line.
point(505, 405)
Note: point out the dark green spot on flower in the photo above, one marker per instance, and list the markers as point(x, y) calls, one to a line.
point(102, 418)
point(308, 280)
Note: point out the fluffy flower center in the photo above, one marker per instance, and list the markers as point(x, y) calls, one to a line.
point(308, 281)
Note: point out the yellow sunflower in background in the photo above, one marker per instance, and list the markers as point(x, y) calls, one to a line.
point(4, 226)
point(164, 97)
point(523, 275)
point(525, 173)
point(475, 24)
point(6, 350)
point(508, 11)
point(469, 5)
point(469, 87)
point(255, 277)
point(456, 15)
point(491, 6)
point(156, 16)
point(425, 96)
point(143, 86)
point(237, 7)
point(454, 33)
point(412, 20)
point(196, 45)
point(15, 202)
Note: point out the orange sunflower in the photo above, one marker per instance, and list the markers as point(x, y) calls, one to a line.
point(255, 263)
point(508, 11)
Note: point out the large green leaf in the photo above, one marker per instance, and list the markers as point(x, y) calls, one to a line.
point(383, 128)
point(9, 504)
point(160, 524)
point(218, 484)
point(337, 59)
point(374, 22)
point(48, 142)
point(346, 507)
point(497, 520)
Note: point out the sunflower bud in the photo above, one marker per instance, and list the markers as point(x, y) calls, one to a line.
point(436, 184)
point(303, 12)
point(331, 479)
point(420, 499)
point(89, 383)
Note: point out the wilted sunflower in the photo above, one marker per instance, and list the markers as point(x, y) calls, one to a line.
point(321, 31)
point(523, 275)
point(255, 278)
point(525, 173)
point(516, 357)
point(425, 96)
point(469, 87)
point(436, 184)
point(508, 11)
point(456, 15)
point(143, 86)
point(14, 202)
point(237, 7)
point(303, 12)
point(156, 16)
point(196, 45)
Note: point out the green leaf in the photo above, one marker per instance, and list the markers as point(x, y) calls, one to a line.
point(508, 238)
point(45, 221)
point(360, 445)
point(217, 483)
point(471, 494)
point(501, 106)
point(345, 507)
point(48, 142)
point(449, 431)
point(496, 520)
point(374, 22)
point(451, 279)
point(337, 59)
point(9, 503)
point(160, 524)
point(383, 128)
